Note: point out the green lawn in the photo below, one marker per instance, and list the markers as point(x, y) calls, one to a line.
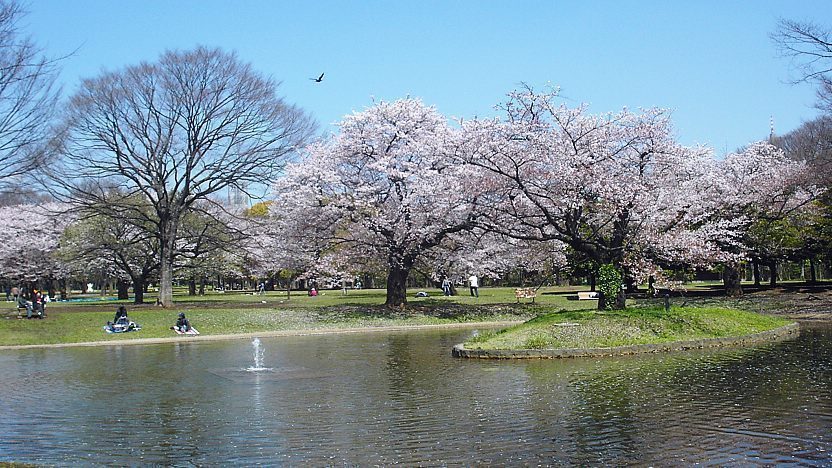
point(633, 326)
point(230, 313)
point(554, 296)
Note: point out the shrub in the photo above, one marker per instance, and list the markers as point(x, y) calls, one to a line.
point(609, 282)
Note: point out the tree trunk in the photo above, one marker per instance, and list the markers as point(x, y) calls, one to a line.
point(592, 282)
point(202, 285)
point(138, 290)
point(620, 300)
point(731, 280)
point(50, 287)
point(168, 224)
point(632, 287)
point(813, 275)
point(165, 282)
point(397, 286)
point(772, 268)
point(756, 267)
point(123, 288)
point(192, 286)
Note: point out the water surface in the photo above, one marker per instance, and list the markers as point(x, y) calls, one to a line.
point(385, 398)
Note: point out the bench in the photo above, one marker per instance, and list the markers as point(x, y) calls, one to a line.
point(22, 313)
point(18, 312)
point(586, 295)
point(525, 293)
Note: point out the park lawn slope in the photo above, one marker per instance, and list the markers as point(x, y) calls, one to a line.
point(634, 326)
point(85, 325)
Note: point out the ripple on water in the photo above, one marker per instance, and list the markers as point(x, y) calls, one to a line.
point(401, 398)
point(266, 374)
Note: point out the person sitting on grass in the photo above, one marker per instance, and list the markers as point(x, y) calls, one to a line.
point(122, 323)
point(121, 316)
point(182, 324)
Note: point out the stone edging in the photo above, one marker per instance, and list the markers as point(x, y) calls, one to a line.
point(783, 332)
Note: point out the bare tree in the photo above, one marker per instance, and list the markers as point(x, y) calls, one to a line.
point(27, 97)
point(810, 48)
point(811, 143)
point(174, 133)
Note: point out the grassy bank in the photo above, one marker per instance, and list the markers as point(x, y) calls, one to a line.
point(233, 313)
point(236, 313)
point(592, 329)
point(85, 324)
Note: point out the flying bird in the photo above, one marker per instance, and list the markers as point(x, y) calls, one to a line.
point(318, 79)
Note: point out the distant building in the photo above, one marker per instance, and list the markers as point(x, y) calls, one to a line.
point(238, 200)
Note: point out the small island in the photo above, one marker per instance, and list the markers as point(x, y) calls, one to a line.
point(584, 333)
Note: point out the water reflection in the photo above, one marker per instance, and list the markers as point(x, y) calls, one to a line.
point(401, 398)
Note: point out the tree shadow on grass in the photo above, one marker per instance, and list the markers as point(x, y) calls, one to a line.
point(427, 308)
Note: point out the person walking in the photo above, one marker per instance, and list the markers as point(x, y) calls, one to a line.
point(446, 286)
point(474, 283)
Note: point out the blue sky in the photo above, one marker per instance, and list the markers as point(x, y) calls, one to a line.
point(710, 62)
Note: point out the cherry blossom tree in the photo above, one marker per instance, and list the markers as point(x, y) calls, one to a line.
point(286, 245)
point(28, 241)
point(385, 188)
point(491, 255)
point(175, 132)
point(544, 183)
point(617, 188)
point(749, 189)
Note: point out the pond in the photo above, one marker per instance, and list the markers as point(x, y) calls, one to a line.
point(399, 397)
